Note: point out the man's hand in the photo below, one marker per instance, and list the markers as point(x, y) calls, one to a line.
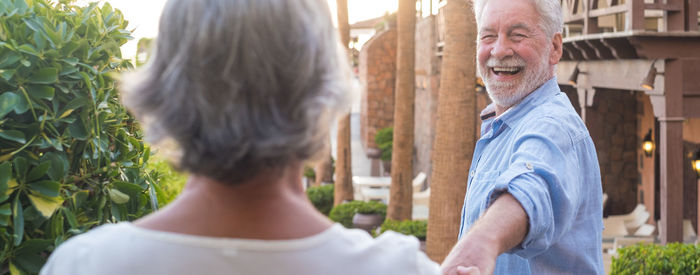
point(472, 255)
point(502, 227)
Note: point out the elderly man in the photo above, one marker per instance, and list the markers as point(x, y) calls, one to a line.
point(533, 202)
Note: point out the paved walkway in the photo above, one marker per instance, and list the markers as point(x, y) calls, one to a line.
point(361, 165)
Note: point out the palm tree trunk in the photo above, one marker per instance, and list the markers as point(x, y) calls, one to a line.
point(343, 169)
point(401, 194)
point(455, 129)
point(323, 169)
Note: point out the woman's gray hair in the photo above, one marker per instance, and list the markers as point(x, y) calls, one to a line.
point(242, 86)
point(549, 10)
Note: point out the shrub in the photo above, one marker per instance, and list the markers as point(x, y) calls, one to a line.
point(343, 213)
point(321, 197)
point(385, 141)
point(643, 259)
point(170, 182)
point(407, 227)
point(309, 173)
point(71, 158)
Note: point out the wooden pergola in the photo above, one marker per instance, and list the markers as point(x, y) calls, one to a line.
point(614, 44)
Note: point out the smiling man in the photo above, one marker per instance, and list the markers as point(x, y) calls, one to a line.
point(534, 200)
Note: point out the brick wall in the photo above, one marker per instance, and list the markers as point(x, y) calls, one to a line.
point(377, 73)
point(612, 123)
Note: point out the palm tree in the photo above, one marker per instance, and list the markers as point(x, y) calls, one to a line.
point(343, 169)
point(455, 129)
point(323, 169)
point(401, 194)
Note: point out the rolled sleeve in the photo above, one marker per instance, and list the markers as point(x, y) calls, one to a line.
point(537, 178)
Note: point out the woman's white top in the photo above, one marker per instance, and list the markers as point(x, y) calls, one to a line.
point(126, 249)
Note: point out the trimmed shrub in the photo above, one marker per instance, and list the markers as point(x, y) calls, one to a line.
point(321, 197)
point(407, 227)
point(71, 158)
point(170, 182)
point(650, 259)
point(343, 213)
point(384, 138)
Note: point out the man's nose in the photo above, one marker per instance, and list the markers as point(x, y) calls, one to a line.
point(501, 48)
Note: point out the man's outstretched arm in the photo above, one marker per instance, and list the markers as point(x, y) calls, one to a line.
point(502, 227)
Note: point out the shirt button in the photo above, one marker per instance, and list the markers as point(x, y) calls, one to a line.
point(472, 173)
point(528, 165)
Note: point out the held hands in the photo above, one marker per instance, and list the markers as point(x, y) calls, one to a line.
point(470, 257)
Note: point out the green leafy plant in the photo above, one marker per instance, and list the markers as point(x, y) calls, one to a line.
point(343, 213)
point(385, 141)
point(321, 197)
point(650, 259)
point(71, 157)
point(170, 181)
point(418, 228)
point(309, 173)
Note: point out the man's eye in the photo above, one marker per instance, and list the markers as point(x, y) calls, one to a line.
point(485, 37)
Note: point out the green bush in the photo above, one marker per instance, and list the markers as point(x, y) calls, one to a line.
point(309, 173)
point(407, 227)
point(71, 158)
point(321, 197)
point(644, 259)
point(343, 213)
point(385, 141)
point(170, 182)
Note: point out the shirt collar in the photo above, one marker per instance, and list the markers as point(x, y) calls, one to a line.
point(508, 117)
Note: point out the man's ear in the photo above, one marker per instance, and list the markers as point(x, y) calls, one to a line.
point(556, 49)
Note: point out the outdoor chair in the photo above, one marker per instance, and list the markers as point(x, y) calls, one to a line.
point(634, 219)
point(380, 191)
point(614, 227)
point(645, 230)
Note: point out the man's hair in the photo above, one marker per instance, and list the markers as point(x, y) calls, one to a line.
point(243, 87)
point(550, 14)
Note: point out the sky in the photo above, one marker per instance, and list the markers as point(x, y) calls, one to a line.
point(143, 15)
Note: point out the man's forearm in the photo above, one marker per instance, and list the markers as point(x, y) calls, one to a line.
point(503, 226)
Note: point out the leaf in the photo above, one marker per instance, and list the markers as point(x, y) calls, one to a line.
point(13, 135)
point(7, 102)
point(17, 221)
point(7, 74)
point(41, 91)
point(9, 59)
point(39, 171)
point(21, 167)
point(118, 197)
point(5, 174)
point(28, 49)
point(46, 187)
point(5, 210)
point(80, 197)
point(45, 205)
point(71, 61)
point(14, 270)
point(21, 106)
point(78, 131)
point(59, 165)
point(44, 76)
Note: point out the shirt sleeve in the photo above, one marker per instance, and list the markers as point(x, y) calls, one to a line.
point(540, 176)
point(426, 266)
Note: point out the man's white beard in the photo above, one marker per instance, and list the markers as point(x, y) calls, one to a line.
point(507, 94)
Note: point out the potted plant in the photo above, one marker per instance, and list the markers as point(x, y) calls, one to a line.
point(321, 197)
point(418, 229)
point(385, 141)
point(359, 214)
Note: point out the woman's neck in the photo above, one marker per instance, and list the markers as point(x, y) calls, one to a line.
point(265, 207)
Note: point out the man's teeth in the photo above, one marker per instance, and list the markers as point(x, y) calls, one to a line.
point(506, 69)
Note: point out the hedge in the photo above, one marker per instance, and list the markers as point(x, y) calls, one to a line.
point(343, 213)
point(650, 259)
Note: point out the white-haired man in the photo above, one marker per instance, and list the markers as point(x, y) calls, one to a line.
point(533, 202)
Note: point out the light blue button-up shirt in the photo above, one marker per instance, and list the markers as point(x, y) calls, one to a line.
point(540, 152)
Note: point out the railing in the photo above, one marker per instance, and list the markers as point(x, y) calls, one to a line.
point(583, 17)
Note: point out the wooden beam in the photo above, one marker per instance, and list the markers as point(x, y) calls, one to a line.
point(654, 47)
point(690, 107)
point(620, 48)
point(609, 10)
point(692, 24)
point(573, 51)
point(671, 153)
point(666, 7)
point(624, 74)
point(588, 52)
point(602, 50)
point(635, 15)
point(675, 18)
